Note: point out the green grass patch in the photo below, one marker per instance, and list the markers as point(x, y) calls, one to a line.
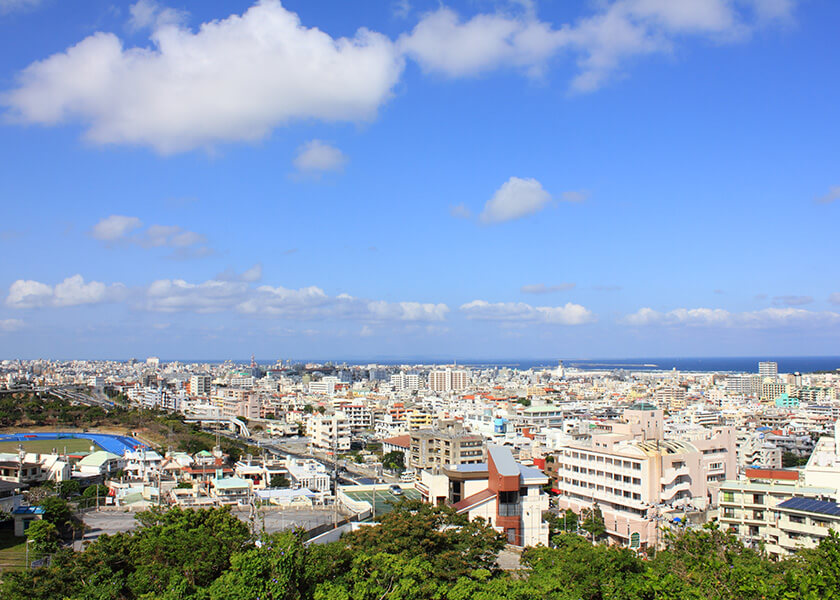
point(12, 549)
point(46, 446)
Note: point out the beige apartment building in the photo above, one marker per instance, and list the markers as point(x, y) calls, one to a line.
point(431, 448)
point(751, 507)
point(637, 478)
point(448, 380)
point(236, 402)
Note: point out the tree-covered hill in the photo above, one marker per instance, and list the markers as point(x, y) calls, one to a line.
point(416, 552)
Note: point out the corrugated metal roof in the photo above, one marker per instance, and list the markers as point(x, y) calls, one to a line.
point(503, 459)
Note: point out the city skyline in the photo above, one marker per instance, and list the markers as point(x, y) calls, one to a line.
point(488, 180)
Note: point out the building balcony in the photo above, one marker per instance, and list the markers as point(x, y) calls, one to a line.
point(671, 474)
point(669, 492)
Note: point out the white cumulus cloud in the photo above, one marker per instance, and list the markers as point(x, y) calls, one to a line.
point(148, 14)
point(408, 311)
point(516, 198)
point(443, 43)
point(72, 291)
point(600, 43)
point(568, 314)
point(232, 293)
point(233, 79)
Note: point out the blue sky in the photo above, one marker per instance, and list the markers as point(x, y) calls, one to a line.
point(481, 179)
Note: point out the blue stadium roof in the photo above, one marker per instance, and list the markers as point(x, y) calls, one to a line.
point(812, 506)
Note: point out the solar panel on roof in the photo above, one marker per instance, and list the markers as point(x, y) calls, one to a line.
point(811, 505)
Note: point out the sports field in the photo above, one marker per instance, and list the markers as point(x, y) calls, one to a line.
point(384, 498)
point(72, 445)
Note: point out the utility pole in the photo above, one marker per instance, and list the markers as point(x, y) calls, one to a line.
point(335, 472)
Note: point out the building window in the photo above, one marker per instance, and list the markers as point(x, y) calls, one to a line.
point(728, 496)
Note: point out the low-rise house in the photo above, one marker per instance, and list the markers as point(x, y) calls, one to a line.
point(100, 463)
point(21, 468)
point(24, 516)
point(10, 496)
point(231, 490)
point(309, 474)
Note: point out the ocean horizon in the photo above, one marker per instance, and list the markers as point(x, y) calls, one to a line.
point(730, 364)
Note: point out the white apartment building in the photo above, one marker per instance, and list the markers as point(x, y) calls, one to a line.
point(755, 451)
point(324, 386)
point(449, 380)
point(246, 382)
point(743, 385)
point(359, 417)
point(402, 381)
point(329, 432)
point(200, 385)
point(768, 369)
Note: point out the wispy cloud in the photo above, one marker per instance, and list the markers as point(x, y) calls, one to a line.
point(10, 325)
point(316, 157)
point(460, 211)
point(120, 229)
point(718, 317)
point(541, 288)
point(832, 196)
point(792, 300)
point(8, 6)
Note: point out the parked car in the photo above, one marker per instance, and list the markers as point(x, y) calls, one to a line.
point(395, 489)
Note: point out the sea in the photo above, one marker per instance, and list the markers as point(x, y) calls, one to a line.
point(727, 364)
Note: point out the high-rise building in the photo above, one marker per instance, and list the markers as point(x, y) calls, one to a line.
point(200, 385)
point(448, 380)
point(768, 369)
point(403, 381)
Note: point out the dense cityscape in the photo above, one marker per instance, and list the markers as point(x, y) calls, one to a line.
point(427, 299)
point(757, 452)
